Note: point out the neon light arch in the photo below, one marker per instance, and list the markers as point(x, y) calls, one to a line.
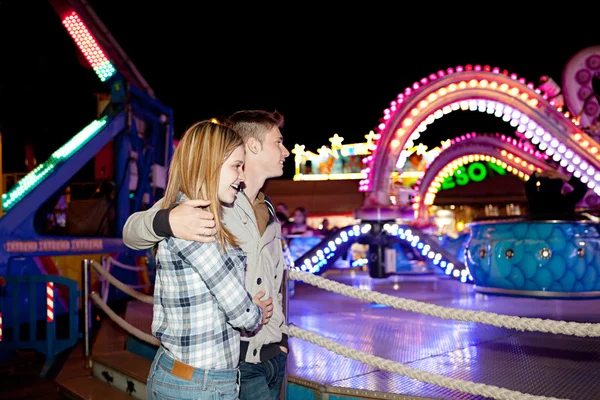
point(477, 148)
point(488, 91)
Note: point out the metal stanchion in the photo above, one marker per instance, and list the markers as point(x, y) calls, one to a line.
point(286, 302)
point(87, 312)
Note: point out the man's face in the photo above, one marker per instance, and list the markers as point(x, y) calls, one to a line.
point(272, 154)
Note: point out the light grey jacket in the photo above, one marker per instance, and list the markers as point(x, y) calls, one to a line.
point(265, 261)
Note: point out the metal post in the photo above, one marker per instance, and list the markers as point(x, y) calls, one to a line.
point(104, 285)
point(286, 303)
point(87, 314)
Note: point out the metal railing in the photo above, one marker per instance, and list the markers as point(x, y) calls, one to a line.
point(91, 298)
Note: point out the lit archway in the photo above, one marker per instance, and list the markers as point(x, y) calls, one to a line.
point(509, 156)
point(477, 89)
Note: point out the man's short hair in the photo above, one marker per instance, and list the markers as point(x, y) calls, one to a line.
point(255, 123)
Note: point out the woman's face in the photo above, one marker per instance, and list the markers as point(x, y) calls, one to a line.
point(232, 175)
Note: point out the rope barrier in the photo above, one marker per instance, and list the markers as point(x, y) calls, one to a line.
point(125, 266)
point(581, 329)
point(132, 330)
point(120, 285)
point(478, 389)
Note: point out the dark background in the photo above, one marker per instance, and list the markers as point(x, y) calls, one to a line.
point(328, 71)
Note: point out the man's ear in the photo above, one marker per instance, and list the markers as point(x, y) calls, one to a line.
point(252, 145)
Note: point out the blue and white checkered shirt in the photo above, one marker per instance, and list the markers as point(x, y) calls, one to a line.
point(199, 300)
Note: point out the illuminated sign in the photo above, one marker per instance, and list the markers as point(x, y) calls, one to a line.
point(50, 245)
point(340, 161)
point(473, 172)
point(346, 161)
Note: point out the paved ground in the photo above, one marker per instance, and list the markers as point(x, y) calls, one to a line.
point(20, 378)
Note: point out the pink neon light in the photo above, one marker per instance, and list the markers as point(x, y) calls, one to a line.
point(425, 80)
point(84, 40)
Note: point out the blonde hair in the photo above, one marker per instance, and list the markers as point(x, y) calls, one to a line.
point(195, 169)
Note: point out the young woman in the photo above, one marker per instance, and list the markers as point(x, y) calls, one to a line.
point(298, 226)
point(200, 303)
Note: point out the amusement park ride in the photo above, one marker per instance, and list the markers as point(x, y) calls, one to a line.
point(134, 128)
point(558, 259)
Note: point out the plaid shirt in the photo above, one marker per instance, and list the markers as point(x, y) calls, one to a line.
point(199, 300)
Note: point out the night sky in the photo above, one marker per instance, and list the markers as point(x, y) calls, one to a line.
point(327, 71)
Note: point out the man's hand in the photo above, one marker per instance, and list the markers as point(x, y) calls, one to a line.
point(189, 222)
point(266, 305)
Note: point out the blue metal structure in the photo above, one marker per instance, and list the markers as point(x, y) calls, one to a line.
point(40, 337)
point(134, 125)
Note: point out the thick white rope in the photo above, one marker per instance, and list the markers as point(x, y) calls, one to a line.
point(120, 285)
point(474, 388)
point(582, 329)
point(125, 266)
point(132, 330)
point(478, 389)
point(106, 285)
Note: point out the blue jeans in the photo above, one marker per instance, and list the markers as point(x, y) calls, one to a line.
point(263, 380)
point(215, 384)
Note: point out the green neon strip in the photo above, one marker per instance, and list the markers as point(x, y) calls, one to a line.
point(105, 71)
point(41, 172)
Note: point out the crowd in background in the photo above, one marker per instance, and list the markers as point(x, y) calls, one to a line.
point(296, 224)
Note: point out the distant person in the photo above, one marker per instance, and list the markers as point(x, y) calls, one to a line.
point(326, 228)
point(281, 211)
point(200, 302)
point(298, 226)
point(549, 198)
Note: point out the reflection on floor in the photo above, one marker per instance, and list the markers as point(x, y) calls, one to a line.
point(541, 364)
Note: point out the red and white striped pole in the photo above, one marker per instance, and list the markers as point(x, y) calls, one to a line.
point(50, 301)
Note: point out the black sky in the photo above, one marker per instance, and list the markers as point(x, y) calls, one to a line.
point(327, 71)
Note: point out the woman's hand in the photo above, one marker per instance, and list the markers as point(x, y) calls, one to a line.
point(266, 305)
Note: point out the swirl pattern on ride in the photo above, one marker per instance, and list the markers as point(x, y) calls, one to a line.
point(535, 258)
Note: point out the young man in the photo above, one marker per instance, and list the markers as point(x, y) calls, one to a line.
point(252, 220)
